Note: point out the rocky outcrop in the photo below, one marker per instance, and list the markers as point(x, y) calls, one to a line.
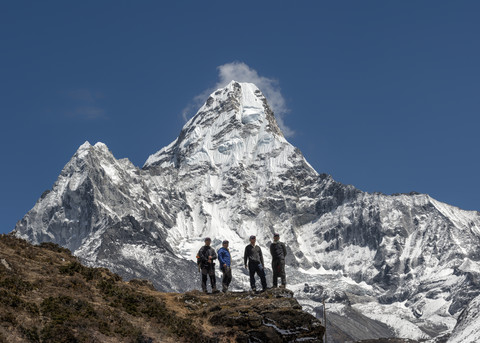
point(273, 316)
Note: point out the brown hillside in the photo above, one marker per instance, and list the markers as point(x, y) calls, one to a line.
point(46, 295)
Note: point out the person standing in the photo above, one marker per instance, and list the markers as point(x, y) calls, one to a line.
point(279, 252)
point(253, 255)
point(224, 259)
point(205, 257)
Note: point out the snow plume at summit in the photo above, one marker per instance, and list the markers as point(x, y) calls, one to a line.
point(241, 72)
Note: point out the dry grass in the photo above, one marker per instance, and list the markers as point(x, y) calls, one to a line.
point(46, 295)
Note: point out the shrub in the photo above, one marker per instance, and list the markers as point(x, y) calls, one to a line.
point(62, 309)
point(15, 284)
point(30, 334)
point(54, 247)
point(8, 298)
point(77, 267)
point(55, 333)
point(8, 317)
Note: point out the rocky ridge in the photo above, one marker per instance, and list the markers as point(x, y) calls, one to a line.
point(46, 295)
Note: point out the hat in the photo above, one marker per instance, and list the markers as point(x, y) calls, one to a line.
point(225, 242)
point(207, 239)
point(252, 237)
point(276, 235)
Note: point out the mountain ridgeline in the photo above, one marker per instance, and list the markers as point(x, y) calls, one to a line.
point(406, 264)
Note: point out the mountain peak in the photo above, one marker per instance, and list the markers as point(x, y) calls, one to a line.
point(234, 123)
point(84, 149)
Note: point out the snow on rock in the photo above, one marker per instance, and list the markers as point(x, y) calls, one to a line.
point(405, 261)
point(467, 329)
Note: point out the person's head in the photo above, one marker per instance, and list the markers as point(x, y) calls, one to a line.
point(276, 237)
point(253, 239)
point(225, 244)
point(208, 241)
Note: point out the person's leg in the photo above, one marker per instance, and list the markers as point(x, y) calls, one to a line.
point(275, 273)
point(213, 279)
point(224, 279)
point(252, 269)
point(261, 273)
point(229, 276)
point(204, 280)
point(282, 274)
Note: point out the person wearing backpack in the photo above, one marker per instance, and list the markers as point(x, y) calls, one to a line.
point(224, 259)
point(278, 251)
point(254, 257)
point(205, 257)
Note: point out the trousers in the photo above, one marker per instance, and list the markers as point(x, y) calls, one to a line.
point(208, 271)
point(227, 277)
point(278, 268)
point(255, 267)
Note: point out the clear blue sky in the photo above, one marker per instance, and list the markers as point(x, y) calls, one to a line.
point(383, 95)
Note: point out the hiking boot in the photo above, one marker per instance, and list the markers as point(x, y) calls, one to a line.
point(283, 286)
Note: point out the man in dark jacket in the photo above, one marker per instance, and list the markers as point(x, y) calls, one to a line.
point(278, 251)
point(205, 257)
point(253, 255)
point(224, 259)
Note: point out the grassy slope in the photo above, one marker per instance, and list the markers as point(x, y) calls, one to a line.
point(46, 295)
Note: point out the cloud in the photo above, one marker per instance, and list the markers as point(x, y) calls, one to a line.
point(241, 72)
point(87, 112)
point(84, 104)
point(85, 95)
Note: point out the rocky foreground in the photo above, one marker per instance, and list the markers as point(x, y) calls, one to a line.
point(46, 295)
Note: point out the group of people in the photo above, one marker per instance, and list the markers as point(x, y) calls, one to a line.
point(253, 261)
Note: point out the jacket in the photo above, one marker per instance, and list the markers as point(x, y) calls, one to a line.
point(278, 250)
point(253, 254)
point(202, 256)
point(224, 257)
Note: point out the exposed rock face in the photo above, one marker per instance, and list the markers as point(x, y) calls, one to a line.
point(102, 210)
point(273, 316)
point(406, 260)
point(468, 326)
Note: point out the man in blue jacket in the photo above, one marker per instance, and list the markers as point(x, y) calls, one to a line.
point(225, 259)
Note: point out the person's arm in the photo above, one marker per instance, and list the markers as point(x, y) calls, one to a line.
point(245, 256)
point(214, 254)
point(284, 250)
point(261, 256)
point(220, 257)
point(271, 249)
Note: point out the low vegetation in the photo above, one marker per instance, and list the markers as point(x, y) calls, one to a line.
point(47, 295)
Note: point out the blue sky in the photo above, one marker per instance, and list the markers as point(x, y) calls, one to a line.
point(383, 95)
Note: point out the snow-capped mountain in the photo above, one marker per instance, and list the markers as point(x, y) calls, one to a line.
point(403, 265)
